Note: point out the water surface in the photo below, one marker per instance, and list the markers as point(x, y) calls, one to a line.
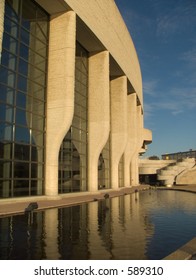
point(145, 225)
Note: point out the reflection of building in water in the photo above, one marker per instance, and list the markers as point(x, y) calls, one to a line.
point(71, 104)
point(110, 229)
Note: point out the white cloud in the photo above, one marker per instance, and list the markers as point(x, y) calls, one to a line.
point(179, 18)
point(150, 87)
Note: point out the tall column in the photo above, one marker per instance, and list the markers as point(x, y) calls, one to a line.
point(118, 125)
point(60, 93)
point(2, 4)
point(98, 114)
point(132, 136)
point(134, 161)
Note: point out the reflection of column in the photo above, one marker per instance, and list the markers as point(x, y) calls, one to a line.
point(98, 114)
point(2, 3)
point(51, 238)
point(94, 241)
point(132, 136)
point(118, 125)
point(60, 93)
point(117, 238)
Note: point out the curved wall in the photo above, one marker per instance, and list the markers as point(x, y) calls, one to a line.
point(105, 21)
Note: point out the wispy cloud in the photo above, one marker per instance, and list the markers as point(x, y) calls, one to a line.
point(189, 57)
point(176, 101)
point(178, 18)
point(150, 87)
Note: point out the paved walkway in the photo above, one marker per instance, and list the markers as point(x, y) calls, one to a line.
point(17, 205)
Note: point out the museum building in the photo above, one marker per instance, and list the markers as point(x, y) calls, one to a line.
point(71, 101)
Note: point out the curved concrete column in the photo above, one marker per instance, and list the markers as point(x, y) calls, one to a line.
point(134, 160)
point(60, 93)
point(2, 4)
point(118, 125)
point(132, 136)
point(98, 114)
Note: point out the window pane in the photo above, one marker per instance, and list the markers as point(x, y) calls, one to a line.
point(22, 83)
point(21, 100)
point(24, 52)
point(7, 77)
point(22, 134)
point(21, 169)
point(25, 36)
point(5, 132)
point(6, 113)
point(6, 94)
point(9, 60)
point(22, 117)
point(21, 188)
point(22, 152)
point(10, 43)
point(11, 27)
point(23, 67)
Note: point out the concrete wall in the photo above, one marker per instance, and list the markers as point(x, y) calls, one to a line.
point(147, 166)
point(187, 177)
point(105, 21)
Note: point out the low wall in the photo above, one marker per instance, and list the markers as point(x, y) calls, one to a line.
point(186, 252)
point(187, 177)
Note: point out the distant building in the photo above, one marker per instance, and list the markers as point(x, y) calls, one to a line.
point(180, 155)
point(71, 101)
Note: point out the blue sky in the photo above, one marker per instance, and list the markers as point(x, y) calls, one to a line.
point(164, 34)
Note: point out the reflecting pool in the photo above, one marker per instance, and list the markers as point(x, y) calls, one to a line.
point(145, 225)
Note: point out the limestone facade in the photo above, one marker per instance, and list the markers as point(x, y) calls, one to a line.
point(115, 99)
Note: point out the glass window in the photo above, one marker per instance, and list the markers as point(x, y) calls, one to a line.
point(23, 67)
point(7, 77)
point(24, 36)
point(22, 83)
point(22, 134)
point(10, 44)
point(24, 51)
point(9, 60)
point(22, 152)
point(21, 169)
point(22, 98)
point(22, 117)
point(6, 94)
point(6, 132)
point(11, 27)
point(6, 113)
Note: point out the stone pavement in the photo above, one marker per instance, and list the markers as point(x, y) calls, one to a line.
point(16, 206)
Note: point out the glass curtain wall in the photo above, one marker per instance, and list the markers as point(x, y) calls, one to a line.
point(22, 99)
point(73, 151)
